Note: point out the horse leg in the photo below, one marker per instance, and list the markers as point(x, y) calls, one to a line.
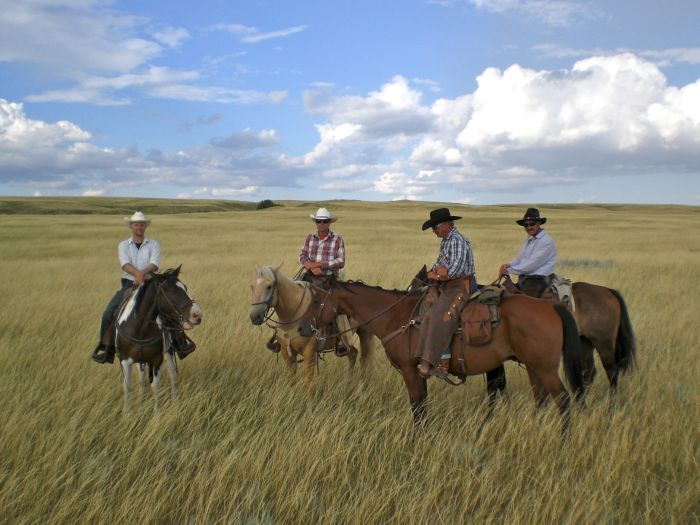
point(555, 388)
point(126, 375)
point(310, 357)
point(495, 382)
point(142, 379)
point(290, 359)
point(352, 359)
point(365, 348)
point(538, 390)
point(417, 394)
point(589, 371)
point(172, 372)
point(155, 386)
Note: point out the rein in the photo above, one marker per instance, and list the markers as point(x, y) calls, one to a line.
point(373, 318)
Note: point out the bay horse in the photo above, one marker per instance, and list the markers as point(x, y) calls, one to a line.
point(532, 331)
point(290, 299)
point(157, 307)
point(604, 325)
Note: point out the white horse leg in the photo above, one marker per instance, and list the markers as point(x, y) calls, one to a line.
point(172, 372)
point(126, 374)
point(143, 381)
point(155, 387)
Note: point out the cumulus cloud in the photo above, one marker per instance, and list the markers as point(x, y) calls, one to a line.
point(604, 115)
point(61, 157)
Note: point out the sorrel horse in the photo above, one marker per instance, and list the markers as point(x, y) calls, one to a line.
point(159, 306)
point(603, 323)
point(290, 299)
point(535, 332)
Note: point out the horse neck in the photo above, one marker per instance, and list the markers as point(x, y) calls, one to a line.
point(374, 307)
point(292, 298)
point(147, 308)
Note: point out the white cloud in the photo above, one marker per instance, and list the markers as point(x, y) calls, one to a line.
point(93, 192)
point(253, 35)
point(61, 157)
point(171, 36)
point(552, 12)
point(605, 115)
point(660, 57)
point(235, 192)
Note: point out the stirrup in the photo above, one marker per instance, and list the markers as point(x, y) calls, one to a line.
point(102, 354)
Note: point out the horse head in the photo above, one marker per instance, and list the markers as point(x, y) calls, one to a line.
point(420, 280)
point(265, 294)
point(174, 302)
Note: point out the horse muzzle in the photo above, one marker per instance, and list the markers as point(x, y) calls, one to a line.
point(194, 319)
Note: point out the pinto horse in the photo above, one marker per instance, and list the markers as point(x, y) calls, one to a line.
point(533, 332)
point(290, 300)
point(603, 324)
point(157, 307)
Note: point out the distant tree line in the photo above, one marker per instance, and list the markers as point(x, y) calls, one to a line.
point(267, 203)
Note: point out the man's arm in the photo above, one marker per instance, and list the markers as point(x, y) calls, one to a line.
point(538, 258)
point(337, 262)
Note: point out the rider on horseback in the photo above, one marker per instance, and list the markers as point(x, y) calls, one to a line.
point(139, 257)
point(535, 262)
point(323, 255)
point(454, 270)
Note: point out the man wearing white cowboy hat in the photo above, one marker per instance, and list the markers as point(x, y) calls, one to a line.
point(323, 254)
point(535, 262)
point(139, 256)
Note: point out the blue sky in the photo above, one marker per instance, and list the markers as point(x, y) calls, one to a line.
point(472, 101)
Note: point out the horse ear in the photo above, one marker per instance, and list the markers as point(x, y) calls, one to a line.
point(276, 268)
point(177, 270)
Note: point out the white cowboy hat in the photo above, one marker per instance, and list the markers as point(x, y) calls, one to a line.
point(323, 213)
point(138, 216)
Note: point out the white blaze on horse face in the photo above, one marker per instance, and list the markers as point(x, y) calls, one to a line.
point(195, 314)
point(126, 312)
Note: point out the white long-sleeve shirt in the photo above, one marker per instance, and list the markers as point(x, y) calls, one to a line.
point(537, 256)
point(139, 258)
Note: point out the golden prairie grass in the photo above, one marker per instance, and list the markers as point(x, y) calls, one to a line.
point(239, 445)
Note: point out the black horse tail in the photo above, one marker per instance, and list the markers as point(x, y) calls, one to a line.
point(626, 343)
point(571, 350)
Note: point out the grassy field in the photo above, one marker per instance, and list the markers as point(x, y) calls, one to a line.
point(240, 446)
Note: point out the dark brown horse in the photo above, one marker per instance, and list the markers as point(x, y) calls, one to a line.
point(532, 331)
point(144, 324)
point(604, 325)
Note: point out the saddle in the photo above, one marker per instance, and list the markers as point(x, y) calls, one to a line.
point(480, 316)
point(559, 290)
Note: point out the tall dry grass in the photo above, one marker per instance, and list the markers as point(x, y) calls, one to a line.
point(240, 446)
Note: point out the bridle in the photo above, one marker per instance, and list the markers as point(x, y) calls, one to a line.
point(173, 322)
point(270, 304)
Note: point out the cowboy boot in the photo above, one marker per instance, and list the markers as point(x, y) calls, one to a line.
point(183, 345)
point(105, 350)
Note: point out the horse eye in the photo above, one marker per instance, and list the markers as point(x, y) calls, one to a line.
point(269, 286)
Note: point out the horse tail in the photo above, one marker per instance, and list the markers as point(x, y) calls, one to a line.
point(626, 343)
point(571, 350)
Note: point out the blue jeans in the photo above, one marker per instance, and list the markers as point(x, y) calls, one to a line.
point(111, 309)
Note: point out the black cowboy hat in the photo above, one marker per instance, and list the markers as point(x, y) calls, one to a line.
point(532, 214)
point(438, 216)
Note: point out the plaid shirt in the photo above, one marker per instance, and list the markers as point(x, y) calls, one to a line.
point(456, 255)
point(330, 252)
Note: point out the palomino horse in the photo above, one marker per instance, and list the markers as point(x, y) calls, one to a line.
point(160, 305)
point(603, 323)
point(532, 331)
point(290, 300)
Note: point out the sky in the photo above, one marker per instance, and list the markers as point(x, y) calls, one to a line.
point(464, 101)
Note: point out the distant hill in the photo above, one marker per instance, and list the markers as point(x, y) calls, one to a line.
point(114, 205)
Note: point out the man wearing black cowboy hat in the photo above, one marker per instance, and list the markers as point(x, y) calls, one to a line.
point(535, 262)
point(454, 270)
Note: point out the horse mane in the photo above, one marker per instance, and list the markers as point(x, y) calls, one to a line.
point(348, 284)
point(170, 272)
